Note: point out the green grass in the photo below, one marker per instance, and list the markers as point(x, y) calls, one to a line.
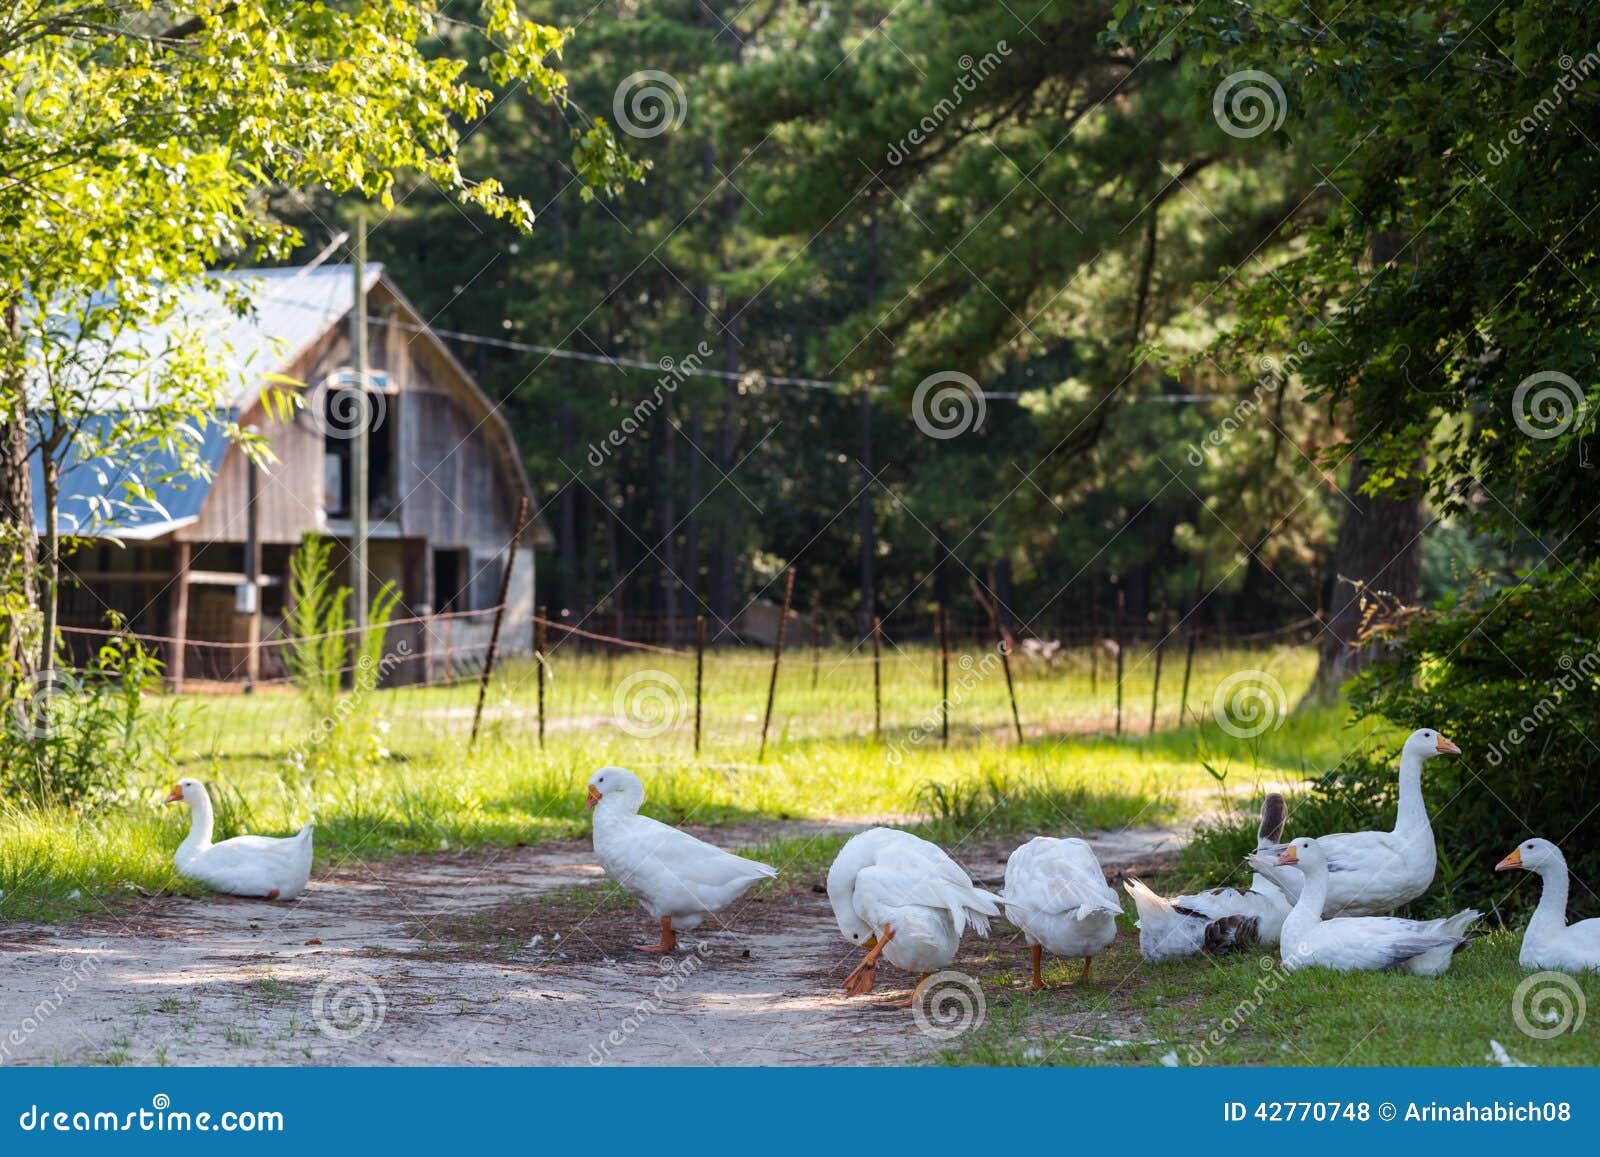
point(1240, 1010)
point(423, 790)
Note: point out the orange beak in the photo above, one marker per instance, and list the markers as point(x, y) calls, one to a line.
point(1514, 860)
point(1291, 855)
point(175, 795)
point(592, 799)
point(1447, 748)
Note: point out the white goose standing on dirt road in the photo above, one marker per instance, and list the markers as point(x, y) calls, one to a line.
point(1361, 943)
point(679, 879)
point(1057, 894)
point(1550, 942)
point(905, 901)
point(265, 867)
point(1372, 873)
point(1221, 918)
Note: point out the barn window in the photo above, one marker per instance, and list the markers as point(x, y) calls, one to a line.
point(450, 580)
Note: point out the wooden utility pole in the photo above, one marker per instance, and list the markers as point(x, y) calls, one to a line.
point(777, 660)
point(360, 506)
point(252, 575)
point(180, 615)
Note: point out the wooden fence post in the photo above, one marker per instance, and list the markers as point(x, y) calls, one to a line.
point(877, 678)
point(1155, 686)
point(1005, 664)
point(1121, 608)
point(699, 674)
point(777, 659)
point(538, 659)
point(499, 615)
point(816, 646)
point(944, 676)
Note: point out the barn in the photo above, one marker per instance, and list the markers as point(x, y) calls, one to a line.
point(445, 483)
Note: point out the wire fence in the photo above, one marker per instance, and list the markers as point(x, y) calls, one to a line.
point(559, 682)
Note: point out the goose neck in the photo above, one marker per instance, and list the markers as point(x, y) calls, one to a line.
point(1413, 813)
point(202, 824)
point(1552, 909)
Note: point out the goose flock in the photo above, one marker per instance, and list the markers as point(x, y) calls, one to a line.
point(1324, 902)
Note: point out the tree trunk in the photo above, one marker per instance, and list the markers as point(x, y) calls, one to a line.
point(1377, 565)
point(18, 543)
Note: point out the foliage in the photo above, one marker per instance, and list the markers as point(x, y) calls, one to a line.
point(1523, 704)
point(326, 651)
point(78, 739)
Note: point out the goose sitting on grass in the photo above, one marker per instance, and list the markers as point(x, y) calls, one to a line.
point(265, 867)
point(1361, 943)
point(1219, 919)
point(679, 879)
point(905, 901)
point(1056, 893)
point(1377, 872)
point(1550, 942)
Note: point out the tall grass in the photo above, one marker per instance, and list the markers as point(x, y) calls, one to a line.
point(432, 793)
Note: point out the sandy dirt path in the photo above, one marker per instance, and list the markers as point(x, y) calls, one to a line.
point(501, 956)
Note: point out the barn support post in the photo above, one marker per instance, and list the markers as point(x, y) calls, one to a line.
point(777, 659)
point(499, 617)
point(252, 576)
point(180, 615)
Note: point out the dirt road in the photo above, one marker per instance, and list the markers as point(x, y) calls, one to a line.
point(503, 956)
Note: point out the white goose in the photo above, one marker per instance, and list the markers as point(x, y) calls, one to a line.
point(1361, 943)
point(271, 868)
point(1376, 872)
point(1550, 942)
point(904, 900)
point(1221, 918)
point(679, 879)
point(1056, 893)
